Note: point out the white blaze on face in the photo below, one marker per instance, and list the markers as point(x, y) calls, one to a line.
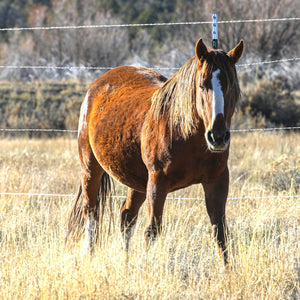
point(218, 99)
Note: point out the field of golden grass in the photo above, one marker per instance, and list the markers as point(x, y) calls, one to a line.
point(263, 215)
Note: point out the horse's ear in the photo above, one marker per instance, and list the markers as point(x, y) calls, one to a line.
point(201, 50)
point(236, 53)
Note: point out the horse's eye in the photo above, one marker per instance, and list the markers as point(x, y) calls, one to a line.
point(202, 87)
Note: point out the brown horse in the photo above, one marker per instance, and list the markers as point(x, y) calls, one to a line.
point(157, 135)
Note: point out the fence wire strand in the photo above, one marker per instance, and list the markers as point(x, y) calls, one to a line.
point(37, 130)
point(76, 131)
point(168, 198)
point(147, 24)
point(153, 68)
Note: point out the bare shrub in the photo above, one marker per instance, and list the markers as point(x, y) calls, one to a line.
point(262, 39)
point(273, 100)
point(68, 47)
point(283, 174)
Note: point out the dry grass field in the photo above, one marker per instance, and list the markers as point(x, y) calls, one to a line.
point(263, 218)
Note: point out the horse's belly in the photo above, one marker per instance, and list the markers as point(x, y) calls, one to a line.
point(120, 156)
point(127, 172)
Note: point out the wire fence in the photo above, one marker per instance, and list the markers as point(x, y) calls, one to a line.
point(148, 24)
point(168, 198)
point(95, 68)
point(76, 131)
point(254, 64)
point(76, 27)
point(37, 130)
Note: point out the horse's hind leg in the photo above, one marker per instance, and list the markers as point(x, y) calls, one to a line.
point(129, 213)
point(91, 174)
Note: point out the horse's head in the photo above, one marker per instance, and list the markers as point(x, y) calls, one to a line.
point(217, 92)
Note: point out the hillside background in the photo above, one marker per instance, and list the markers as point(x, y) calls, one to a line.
point(50, 98)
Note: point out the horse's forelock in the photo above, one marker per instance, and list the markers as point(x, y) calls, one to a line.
point(220, 60)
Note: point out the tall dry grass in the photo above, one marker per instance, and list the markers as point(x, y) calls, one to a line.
point(264, 239)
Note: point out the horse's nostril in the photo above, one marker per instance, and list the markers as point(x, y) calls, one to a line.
point(227, 136)
point(210, 137)
point(218, 138)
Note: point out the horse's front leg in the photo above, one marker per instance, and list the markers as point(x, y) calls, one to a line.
point(156, 196)
point(215, 197)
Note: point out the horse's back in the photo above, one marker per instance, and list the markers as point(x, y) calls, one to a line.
point(111, 120)
point(127, 78)
point(122, 90)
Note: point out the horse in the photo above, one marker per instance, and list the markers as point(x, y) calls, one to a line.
point(157, 135)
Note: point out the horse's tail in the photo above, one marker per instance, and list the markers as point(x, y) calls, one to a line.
point(105, 191)
point(76, 221)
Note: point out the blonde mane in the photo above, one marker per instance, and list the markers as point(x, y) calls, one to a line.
point(176, 98)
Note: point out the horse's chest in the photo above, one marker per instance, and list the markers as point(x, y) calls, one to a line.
point(192, 168)
point(209, 169)
point(184, 163)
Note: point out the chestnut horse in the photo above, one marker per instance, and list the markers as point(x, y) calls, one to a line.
point(157, 135)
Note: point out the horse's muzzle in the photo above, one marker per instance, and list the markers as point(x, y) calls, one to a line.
point(217, 140)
